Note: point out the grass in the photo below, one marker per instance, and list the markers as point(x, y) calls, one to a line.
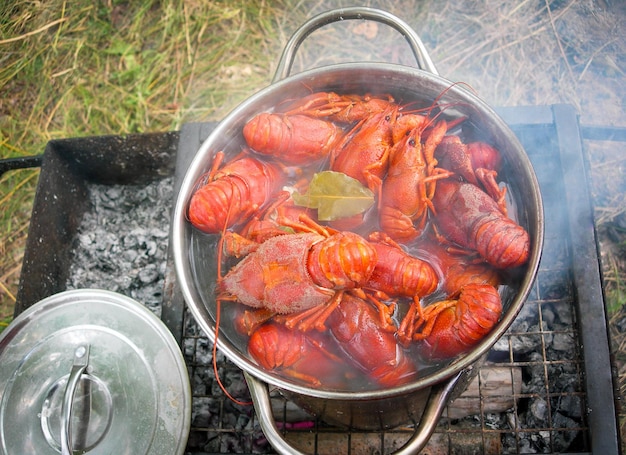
point(83, 68)
point(614, 278)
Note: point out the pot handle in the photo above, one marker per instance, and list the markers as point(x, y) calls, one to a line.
point(437, 401)
point(358, 12)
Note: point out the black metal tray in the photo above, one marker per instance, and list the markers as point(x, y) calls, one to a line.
point(68, 167)
point(578, 418)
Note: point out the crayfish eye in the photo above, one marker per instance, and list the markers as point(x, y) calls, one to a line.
point(412, 142)
point(387, 118)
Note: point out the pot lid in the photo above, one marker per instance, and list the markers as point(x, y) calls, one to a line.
point(92, 371)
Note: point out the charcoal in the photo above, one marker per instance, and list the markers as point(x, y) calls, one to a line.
point(569, 404)
point(548, 319)
point(562, 341)
point(564, 439)
point(122, 241)
point(539, 409)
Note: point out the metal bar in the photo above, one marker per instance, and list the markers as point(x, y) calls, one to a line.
point(22, 162)
point(542, 115)
point(588, 284)
point(526, 115)
point(603, 133)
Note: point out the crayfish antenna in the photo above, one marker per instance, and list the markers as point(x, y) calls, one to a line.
point(218, 312)
point(215, 369)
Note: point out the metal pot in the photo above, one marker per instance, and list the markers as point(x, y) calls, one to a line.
point(423, 400)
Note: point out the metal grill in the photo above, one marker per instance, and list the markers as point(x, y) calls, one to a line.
point(546, 386)
point(536, 371)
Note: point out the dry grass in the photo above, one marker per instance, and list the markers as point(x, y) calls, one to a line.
point(82, 68)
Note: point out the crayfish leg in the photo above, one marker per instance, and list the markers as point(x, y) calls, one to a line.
point(319, 104)
point(374, 183)
point(313, 318)
point(237, 245)
point(405, 331)
point(250, 320)
point(487, 178)
point(385, 312)
point(429, 317)
point(306, 224)
point(434, 175)
point(218, 159)
point(382, 237)
point(410, 323)
point(433, 139)
point(209, 176)
point(315, 382)
point(418, 323)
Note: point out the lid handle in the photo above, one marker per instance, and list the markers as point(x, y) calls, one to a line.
point(81, 360)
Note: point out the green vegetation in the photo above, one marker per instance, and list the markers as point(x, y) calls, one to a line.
point(85, 68)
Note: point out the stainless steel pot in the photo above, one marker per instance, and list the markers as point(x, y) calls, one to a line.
point(422, 401)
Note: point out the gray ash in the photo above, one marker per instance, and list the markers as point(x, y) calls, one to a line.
point(122, 241)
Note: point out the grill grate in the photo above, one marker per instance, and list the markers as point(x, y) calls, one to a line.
point(541, 356)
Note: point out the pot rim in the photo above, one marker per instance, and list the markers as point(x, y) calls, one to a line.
point(199, 164)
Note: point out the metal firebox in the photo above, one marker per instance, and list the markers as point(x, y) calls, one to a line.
point(547, 385)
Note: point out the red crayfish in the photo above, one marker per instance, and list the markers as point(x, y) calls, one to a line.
point(308, 357)
point(301, 271)
point(477, 162)
point(410, 184)
point(341, 108)
point(469, 217)
point(338, 356)
point(371, 345)
point(294, 139)
point(234, 193)
point(450, 327)
point(364, 152)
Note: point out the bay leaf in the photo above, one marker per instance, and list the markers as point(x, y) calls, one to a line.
point(335, 195)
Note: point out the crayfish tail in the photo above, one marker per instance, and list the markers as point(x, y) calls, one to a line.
point(504, 244)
